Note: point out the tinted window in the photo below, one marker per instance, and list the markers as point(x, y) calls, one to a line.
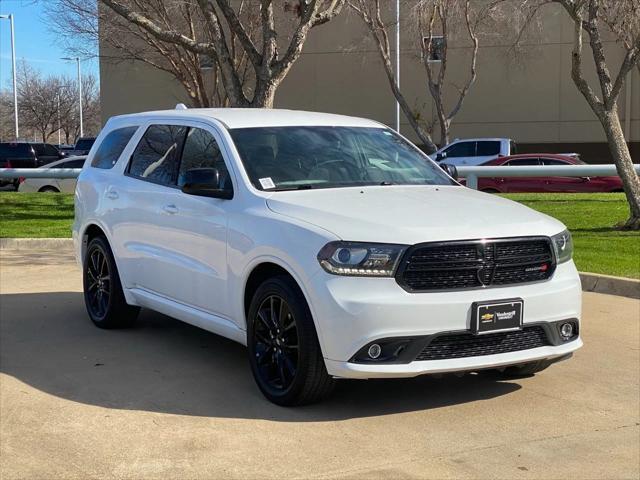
point(50, 150)
point(39, 148)
point(461, 149)
point(15, 150)
point(85, 143)
point(488, 148)
point(201, 151)
point(550, 161)
point(523, 162)
point(296, 158)
point(156, 156)
point(112, 146)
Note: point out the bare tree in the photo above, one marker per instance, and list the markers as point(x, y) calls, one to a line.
point(437, 23)
point(370, 12)
point(592, 19)
point(253, 46)
point(37, 101)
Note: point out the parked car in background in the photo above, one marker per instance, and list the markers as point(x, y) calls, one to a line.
point(542, 183)
point(329, 245)
point(474, 151)
point(65, 185)
point(26, 155)
point(82, 146)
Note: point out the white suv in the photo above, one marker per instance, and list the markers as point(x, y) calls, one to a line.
point(330, 246)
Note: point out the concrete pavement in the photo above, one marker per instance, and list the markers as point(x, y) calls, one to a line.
point(167, 400)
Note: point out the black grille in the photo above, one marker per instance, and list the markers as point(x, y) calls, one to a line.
point(461, 345)
point(475, 264)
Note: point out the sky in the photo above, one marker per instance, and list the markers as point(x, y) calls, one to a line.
point(35, 42)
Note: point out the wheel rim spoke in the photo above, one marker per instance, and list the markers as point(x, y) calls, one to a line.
point(275, 339)
point(98, 282)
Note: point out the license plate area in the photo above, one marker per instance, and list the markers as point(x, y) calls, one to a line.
point(496, 316)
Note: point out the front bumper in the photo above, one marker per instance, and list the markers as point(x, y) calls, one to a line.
point(351, 312)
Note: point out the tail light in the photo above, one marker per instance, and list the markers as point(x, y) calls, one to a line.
point(8, 165)
point(21, 179)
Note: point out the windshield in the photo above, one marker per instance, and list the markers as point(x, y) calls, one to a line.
point(296, 158)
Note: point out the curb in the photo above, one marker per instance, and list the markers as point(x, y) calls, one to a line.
point(591, 282)
point(35, 243)
point(624, 287)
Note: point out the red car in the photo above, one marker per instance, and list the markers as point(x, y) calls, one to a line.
point(545, 184)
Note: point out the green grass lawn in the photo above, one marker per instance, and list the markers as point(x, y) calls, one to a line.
point(599, 248)
point(35, 215)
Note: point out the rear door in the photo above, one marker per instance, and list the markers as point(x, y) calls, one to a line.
point(461, 153)
point(523, 184)
point(486, 150)
point(68, 185)
point(567, 184)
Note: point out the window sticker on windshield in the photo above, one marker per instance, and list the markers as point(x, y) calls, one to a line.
point(267, 183)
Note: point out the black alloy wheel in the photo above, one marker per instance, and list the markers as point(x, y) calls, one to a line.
point(103, 295)
point(284, 351)
point(276, 343)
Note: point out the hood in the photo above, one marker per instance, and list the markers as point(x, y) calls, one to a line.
point(412, 214)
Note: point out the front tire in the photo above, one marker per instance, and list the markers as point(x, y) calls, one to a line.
point(284, 352)
point(103, 295)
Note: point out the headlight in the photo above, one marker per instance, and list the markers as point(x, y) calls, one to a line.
point(360, 259)
point(563, 246)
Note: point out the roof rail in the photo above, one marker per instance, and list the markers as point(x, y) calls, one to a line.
point(181, 106)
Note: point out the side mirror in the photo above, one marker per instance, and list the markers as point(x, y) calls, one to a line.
point(205, 182)
point(451, 170)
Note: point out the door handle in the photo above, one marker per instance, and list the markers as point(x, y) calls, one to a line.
point(112, 195)
point(170, 209)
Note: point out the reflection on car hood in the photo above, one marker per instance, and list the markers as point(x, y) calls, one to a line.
point(412, 214)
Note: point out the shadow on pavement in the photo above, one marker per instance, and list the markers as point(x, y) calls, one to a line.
point(163, 365)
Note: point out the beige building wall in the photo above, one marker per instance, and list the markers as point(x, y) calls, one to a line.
point(532, 100)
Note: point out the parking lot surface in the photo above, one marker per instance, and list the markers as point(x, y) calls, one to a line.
point(167, 400)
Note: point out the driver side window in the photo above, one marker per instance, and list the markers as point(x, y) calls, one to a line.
point(202, 151)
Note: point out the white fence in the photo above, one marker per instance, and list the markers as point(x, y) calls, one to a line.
point(470, 173)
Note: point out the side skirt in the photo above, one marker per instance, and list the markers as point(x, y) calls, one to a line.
point(199, 318)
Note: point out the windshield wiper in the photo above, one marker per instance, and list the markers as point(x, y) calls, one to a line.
point(305, 186)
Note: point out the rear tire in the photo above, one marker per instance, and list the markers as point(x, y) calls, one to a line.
point(284, 352)
point(49, 190)
point(103, 295)
point(526, 370)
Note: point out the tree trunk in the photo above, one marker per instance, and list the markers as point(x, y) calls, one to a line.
point(622, 158)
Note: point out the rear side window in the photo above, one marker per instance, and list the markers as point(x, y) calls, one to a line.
point(488, 148)
point(462, 149)
point(523, 162)
point(112, 146)
point(156, 157)
point(201, 151)
point(552, 161)
point(15, 150)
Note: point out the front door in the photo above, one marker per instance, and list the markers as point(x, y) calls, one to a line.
point(179, 240)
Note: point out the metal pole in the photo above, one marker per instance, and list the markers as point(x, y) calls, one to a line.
point(13, 67)
point(58, 98)
point(80, 96)
point(398, 63)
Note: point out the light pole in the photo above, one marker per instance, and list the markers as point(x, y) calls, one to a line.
point(13, 66)
point(77, 59)
point(398, 62)
point(60, 87)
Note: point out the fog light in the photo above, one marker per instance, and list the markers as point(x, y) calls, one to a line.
point(374, 351)
point(566, 330)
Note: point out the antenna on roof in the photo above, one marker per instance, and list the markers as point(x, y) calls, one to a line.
point(181, 106)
